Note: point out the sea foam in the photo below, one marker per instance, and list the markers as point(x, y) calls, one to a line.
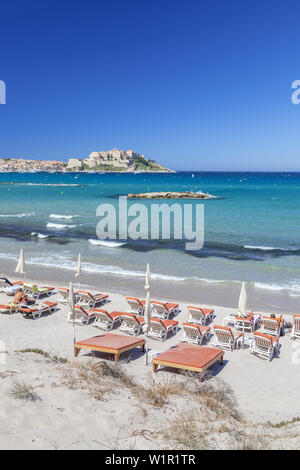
point(39, 235)
point(107, 243)
point(60, 226)
point(59, 216)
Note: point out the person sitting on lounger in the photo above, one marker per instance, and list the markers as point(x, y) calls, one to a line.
point(20, 297)
point(281, 323)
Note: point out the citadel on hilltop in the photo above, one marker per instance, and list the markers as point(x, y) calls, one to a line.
point(115, 160)
point(112, 160)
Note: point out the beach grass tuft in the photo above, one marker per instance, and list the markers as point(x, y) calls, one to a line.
point(45, 354)
point(23, 391)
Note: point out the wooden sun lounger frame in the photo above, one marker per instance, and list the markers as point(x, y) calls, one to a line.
point(157, 362)
point(115, 352)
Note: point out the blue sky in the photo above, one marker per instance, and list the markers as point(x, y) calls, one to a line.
point(195, 85)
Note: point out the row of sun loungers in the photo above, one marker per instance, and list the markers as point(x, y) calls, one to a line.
point(37, 311)
point(194, 331)
point(84, 298)
point(164, 310)
point(250, 323)
point(37, 292)
point(262, 343)
point(159, 309)
point(34, 311)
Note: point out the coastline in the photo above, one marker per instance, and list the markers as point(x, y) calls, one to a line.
point(211, 293)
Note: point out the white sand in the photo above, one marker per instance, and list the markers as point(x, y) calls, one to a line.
point(64, 418)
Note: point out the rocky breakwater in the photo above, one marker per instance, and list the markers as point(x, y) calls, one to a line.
point(171, 195)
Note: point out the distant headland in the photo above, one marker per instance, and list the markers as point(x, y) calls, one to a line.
point(104, 161)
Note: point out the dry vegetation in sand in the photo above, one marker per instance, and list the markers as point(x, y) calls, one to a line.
point(174, 411)
point(210, 418)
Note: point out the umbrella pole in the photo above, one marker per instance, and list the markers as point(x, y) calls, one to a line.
point(74, 338)
point(147, 349)
point(243, 333)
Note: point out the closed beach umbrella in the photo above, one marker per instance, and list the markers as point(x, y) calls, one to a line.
point(78, 273)
point(243, 307)
point(71, 308)
point(147, 313)
point(20, 269)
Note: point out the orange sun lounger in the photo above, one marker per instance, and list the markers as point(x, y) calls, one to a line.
point(109, 343)
point(189, 357)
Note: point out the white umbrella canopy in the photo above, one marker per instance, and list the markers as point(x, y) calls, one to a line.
point(243, 307)
point(243, 302)
point(20, 269)
point(78, 273)
point(147, 313)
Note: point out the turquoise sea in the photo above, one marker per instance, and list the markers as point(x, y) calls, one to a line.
point(252, 234)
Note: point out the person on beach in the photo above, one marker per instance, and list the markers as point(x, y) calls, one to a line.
point(20, 296)
point(281, 323)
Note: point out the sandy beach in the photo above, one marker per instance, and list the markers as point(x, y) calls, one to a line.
point(80, 407)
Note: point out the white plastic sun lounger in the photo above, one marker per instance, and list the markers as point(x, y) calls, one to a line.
point(131, 323)
point(249, 323)
point(37, 292)
point(270, 326)
point(37, 311)
point(199, 315)
point(104, 320)
point(163, 309)
point(135, 305)
point(63, 295)
point(86, 299)
point(81, 315)
point(194, 333)
point(11, 307)
point(225, 338)
point(11, 290)
point(265, 345)
point(296, 327)
point(8, 308)
point(159, 329)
